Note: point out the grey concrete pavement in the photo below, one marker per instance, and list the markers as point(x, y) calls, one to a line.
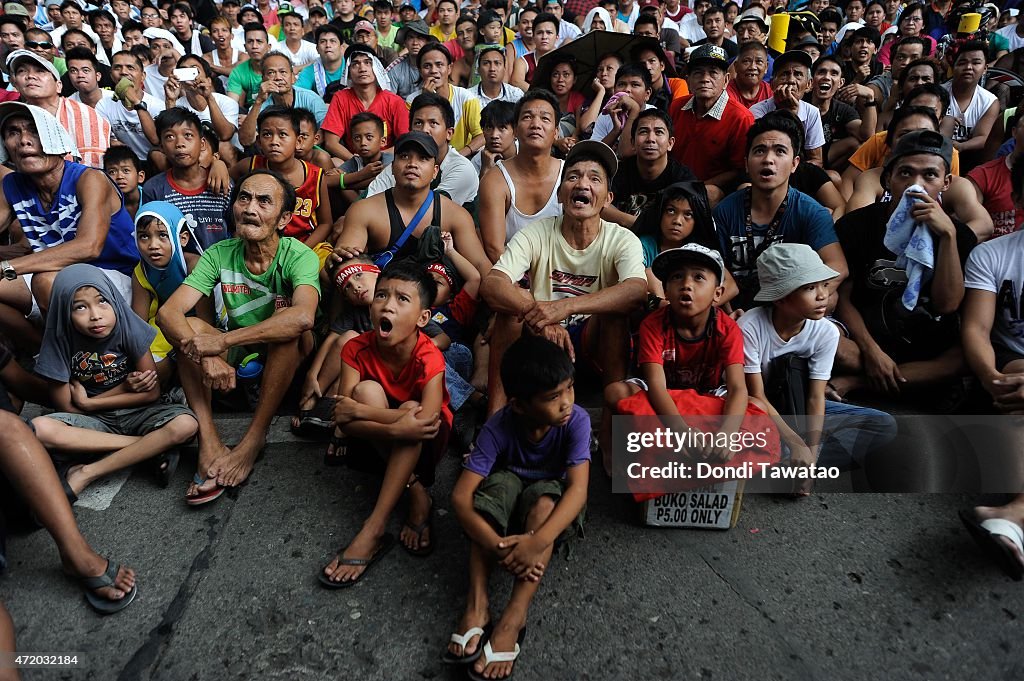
point(837, 586)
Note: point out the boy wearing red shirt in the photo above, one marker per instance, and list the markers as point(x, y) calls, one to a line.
point(392, 394)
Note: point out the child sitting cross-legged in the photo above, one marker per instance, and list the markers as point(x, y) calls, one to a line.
point(392, 393)
point(522, 487)
point(103, 382)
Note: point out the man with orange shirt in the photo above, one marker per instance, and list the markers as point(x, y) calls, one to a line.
point(711, 129)
point(367, 91)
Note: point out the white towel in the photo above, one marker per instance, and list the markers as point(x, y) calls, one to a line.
point(913, 245)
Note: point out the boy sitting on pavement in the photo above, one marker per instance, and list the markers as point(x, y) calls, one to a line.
point(797, 284)
point(392, 393)
point(528, 473)
point(688, 345)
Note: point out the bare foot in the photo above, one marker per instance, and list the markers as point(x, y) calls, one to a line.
point(94, 565)
point(77, 479)
point(208, 458)
point(304, 405)
point(503, 640)
point(234, 468)
point(473, 617)
point(420, 505)
point(364, 546)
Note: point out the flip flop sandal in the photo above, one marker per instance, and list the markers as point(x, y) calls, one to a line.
point(203, 497)
point(337, 450)
point(490, 656)
point(106, 606)
point(462, 639)
point(320, 417)
point(987, 532)
point(166, 466)
point(387, 542)
point(62, 473)
point(428, 524)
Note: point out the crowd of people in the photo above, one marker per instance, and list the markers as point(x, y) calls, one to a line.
point(415, 227)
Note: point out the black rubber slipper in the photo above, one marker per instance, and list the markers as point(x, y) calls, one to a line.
point(387, 542)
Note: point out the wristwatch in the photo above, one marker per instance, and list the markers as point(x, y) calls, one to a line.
point(7, 270)
point(873, 102)
point(141, 106)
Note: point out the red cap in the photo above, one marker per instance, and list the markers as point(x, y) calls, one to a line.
point(649, 3)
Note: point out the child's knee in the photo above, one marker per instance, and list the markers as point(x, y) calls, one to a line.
point(618, 391)
point(182, 428)
point(46, 429)
point(541, 511)
point(370, 393)
point(411, 404)
point(758, 402)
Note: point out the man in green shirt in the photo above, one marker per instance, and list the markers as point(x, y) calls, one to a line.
point(244, 81)
point(270, 288)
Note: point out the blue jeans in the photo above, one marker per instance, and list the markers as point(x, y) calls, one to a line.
point(852, 432)
point(458, 367)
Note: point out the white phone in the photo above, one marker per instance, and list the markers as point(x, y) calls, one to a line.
point(186, 75)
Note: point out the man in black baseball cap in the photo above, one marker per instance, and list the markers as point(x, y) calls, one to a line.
point(902, 317)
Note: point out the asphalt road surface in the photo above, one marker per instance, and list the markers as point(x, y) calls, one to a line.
point(837, 586)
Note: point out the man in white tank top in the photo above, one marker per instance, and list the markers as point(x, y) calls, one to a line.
point(974, 108)
point(525, 189)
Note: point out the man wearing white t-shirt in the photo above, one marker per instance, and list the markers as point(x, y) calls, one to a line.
point(991, 324)
point(974, 108)
point(585, 276)
point(131, 118)
point(1014, 33)
point(790, 81)
point(301, 52)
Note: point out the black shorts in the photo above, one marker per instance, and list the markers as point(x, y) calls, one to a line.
point(1004, 355)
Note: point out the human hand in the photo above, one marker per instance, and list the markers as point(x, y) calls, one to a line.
point(930, 212)
point(218, 179)
point(1007, 393)
point(346, 410)
point(372, 170)
point(217, 374)
point(172, 89)
point(413, 426)
point(883, 373)
point(545, 313)
point(142, 381)
point(524, 556)
point(203, 345)
point(267, 88)
point(598, 89)
point(449, 242)
point(787, 97)
point(557, 334)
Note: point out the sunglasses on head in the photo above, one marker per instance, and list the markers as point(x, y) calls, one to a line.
point(34, 45)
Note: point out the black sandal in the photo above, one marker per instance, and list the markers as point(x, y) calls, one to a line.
point(337, 450)
point(166, 465)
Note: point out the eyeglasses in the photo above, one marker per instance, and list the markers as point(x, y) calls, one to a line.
point(913, 20)
point(33, 45)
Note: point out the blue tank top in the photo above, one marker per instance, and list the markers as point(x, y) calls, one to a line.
point(58, 224)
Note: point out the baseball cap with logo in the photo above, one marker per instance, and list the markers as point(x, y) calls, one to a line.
point(709, 54)
point(363, 25)
point(55, 140)
point(668, 261)
point(15, 9)
point(21, 55)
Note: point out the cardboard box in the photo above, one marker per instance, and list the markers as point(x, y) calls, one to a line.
point(713, 507)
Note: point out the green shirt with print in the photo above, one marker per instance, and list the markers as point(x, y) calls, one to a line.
point(244, 81)
point(252, 298)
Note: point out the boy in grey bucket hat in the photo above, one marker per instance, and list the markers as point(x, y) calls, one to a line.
point(797, 283)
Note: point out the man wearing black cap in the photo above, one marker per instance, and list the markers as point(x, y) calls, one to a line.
point(899, 340)
point(378, 222)
point(711, 129)
point(790, 82)
point(403, 73)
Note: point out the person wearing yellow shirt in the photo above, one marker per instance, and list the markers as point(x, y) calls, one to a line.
point(447, 13)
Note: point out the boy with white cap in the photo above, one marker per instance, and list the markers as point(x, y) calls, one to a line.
point(797, 284)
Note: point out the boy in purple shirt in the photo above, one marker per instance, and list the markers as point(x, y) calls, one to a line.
point(523, 485)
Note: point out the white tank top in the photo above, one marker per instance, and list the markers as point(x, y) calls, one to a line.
point(515, 219)
point(216, 62)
